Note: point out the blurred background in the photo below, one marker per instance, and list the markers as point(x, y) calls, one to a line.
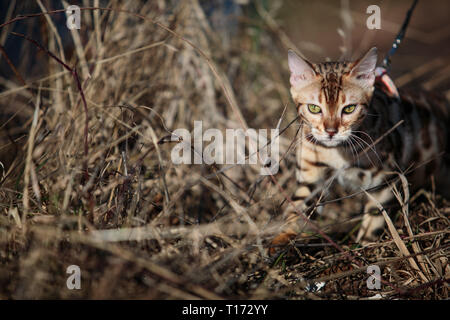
point(140, 83)
point(311, 26)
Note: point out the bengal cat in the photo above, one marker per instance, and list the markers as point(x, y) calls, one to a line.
point(343, 112)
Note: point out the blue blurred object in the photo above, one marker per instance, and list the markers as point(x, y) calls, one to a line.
point(223, 16)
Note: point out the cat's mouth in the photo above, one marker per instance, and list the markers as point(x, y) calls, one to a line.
point(331, 143)
point(327, 140)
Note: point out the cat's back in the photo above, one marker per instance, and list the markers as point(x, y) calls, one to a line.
point(420, 144)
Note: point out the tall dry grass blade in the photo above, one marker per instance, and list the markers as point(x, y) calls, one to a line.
point(396, 237)
point(29, 158)
point(404, 203)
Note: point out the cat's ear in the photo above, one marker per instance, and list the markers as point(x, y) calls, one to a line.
point(364, 68)
point(301, 70)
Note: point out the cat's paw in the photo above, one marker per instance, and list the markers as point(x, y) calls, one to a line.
point(355, 178)
point(281, 241)
point(371, 228)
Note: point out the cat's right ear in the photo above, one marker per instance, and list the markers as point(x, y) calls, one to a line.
point(301, 70)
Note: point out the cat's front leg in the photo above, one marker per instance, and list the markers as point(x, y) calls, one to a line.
point(373, 221)
point(308, 176)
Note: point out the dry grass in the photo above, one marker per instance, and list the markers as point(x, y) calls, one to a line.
point(138, 225)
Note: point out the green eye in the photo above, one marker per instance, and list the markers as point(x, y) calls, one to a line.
point(313, 108)
point(349, 109)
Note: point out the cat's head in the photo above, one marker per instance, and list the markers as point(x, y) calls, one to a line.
point(332, 97)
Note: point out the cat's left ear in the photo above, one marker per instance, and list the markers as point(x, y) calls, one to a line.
point(364, 69)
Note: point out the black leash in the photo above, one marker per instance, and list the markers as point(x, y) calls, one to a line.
point(399, 38)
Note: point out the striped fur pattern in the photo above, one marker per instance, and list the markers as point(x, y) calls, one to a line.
point(339, 147)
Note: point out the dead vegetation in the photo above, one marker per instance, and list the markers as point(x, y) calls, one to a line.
point(99, 189)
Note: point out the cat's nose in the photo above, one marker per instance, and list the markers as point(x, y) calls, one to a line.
point(331, 131)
